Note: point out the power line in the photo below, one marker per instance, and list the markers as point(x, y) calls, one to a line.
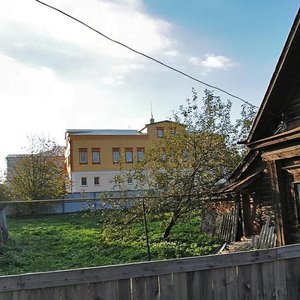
point(147, 56)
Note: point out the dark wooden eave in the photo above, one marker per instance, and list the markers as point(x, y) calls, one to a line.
point(293, 134)
point(280, 86)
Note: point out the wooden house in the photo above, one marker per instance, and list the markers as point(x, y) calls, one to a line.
point(267, 182)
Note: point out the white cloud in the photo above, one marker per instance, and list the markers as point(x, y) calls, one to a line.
point(212, 62)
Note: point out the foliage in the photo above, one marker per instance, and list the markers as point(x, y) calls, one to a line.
point(188, 166)
point(197, 154)
point(4, 192)
point(39, 174)
point(45, 243)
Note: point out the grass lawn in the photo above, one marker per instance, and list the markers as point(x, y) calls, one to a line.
point(46, 243)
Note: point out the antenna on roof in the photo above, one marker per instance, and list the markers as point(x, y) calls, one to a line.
point(151, 119)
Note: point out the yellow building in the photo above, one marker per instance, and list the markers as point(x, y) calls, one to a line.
point(95, 158)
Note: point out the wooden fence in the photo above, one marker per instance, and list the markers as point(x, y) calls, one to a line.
point(260, 274)
point(223, 226)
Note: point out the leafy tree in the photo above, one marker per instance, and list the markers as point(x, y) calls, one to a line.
point(190, 162)
point(188, 166)
point(39, 174)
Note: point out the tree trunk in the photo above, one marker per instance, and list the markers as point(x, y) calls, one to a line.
point(171, 224)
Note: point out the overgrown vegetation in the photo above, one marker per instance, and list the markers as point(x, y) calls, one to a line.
point(45, 243)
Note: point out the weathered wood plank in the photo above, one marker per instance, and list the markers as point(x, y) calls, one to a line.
point(166, 287)
point(280, 280)
point(180, 286)
point(267, 270)
point(231, 283)
point(244, 285)
point(81, 276)
point(138, 288)
point(193, 285)
point(124, 289)
point(104, 291)
point(206, 288)
point(255, 274)
point(256, 286)
point(293, 278)
point(152, 288)
point(218, 280)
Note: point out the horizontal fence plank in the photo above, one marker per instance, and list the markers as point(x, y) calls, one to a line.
point(144, 269)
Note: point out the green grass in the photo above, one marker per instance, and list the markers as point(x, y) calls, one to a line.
point(46, 243)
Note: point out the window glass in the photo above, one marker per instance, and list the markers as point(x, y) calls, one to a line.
point(160, 132)
point(116, 155)
point(96, 180)
point(83, 156)
point(83, 181)
point(128, 155)
point(140, 154)
point(96, 156)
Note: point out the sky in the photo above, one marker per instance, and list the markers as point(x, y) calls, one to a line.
point(56, 74)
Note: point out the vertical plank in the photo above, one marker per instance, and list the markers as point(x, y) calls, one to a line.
point(293, 278)
point(180, 286)
point(256, 282)
point(104, 290)
point(267, 270)
point(244, 285)
point(138, 288)
point(166, 287)
point(218, 283)
point(152, 288)
point(80, 291)
point(231, 283)
point(124, 289)
point(193, 285)
point(206, 291)
point(6, 296)
point(280, 280)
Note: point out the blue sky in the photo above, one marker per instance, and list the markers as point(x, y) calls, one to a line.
point(56, 75)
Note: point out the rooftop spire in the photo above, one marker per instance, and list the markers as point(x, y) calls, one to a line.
point(151, 119)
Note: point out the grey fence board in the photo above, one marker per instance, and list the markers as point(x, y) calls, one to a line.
point(262, 274)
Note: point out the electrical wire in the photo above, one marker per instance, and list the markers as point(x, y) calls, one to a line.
point(147, 56)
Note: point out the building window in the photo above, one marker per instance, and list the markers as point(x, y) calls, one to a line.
point(83, 181)
point(96, 180)
point(140, 154)
point(116, 155)
point(160, 132)
point(128, 155)
point(96, 155)
point(83, 158)
point(172, 130)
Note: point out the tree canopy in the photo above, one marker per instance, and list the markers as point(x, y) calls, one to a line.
point(190, 162)
point(39, 174)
